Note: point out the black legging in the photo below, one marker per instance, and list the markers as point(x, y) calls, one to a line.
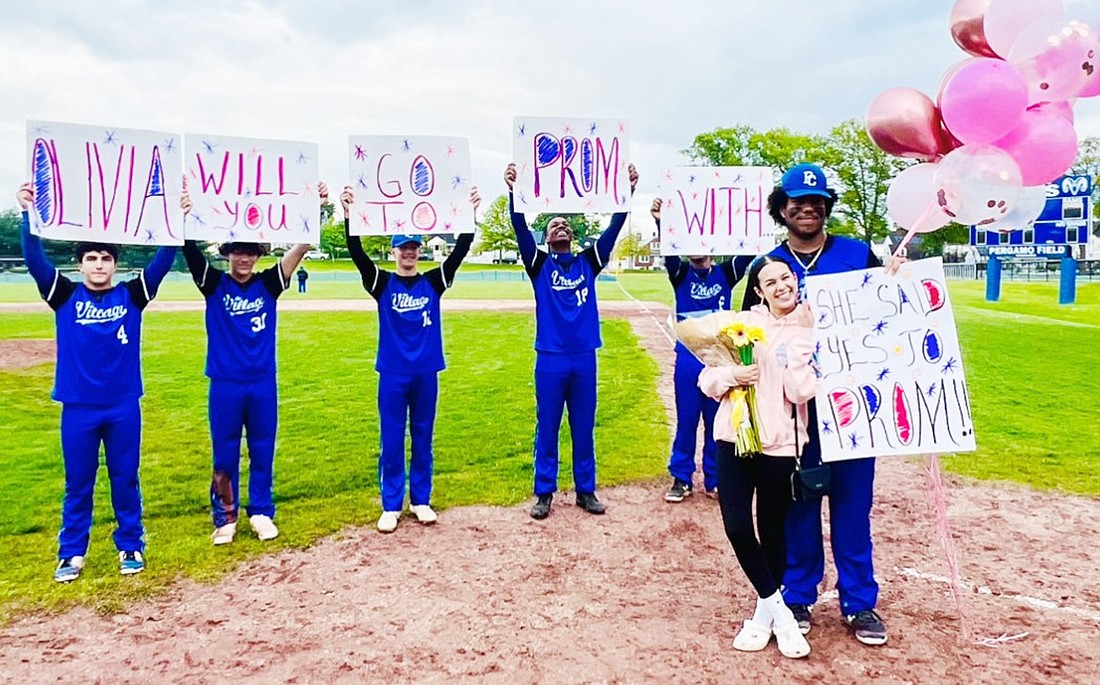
point(765, 559)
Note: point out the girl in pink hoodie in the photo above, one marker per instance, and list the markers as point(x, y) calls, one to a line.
point(784, 380)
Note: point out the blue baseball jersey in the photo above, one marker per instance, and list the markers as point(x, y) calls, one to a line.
point(410, 339)
point(840, 254)
point(241, 318)
point(98, 331)
point(98, 342)
point(700, 292)
point(241, 321)
point(566, 315)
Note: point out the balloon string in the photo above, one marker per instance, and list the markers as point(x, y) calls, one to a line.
point(938, 502)
point(901, 251)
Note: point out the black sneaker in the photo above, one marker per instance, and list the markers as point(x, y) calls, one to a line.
point(868, 627)
point(802, 615)
point(679, 491)
point(588, 502)
point(541, 509)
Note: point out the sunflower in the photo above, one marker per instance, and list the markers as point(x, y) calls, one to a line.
point(738, 333)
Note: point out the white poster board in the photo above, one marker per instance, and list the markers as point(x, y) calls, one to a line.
point(105, 184)
point(410, 185)
point(571, 165)
point(891, 373)
point(251, 190)
point(716, 211)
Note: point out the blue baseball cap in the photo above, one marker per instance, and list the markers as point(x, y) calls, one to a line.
point(401, 239)
point(805, 179)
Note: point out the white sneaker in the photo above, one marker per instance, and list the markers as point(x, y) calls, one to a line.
point(263, 527)
point(223, 535)
point(424, 513)
point(387, 522)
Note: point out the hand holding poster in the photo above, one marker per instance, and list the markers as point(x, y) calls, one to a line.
point(571, 165)
point(716, 211)
point(410, 184)
point(105, 184)
point(252, 191)
point(891, 374)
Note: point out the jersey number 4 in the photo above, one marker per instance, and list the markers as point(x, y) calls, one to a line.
point(121, 335)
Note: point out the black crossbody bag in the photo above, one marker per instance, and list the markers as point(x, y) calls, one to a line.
point(810, 483)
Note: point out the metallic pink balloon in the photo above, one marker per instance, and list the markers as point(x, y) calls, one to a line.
point(968, 27)
point(904, 122)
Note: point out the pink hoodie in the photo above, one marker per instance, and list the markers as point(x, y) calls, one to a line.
point(786, 378)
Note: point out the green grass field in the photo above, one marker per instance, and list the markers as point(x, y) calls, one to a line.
point(1019, 354)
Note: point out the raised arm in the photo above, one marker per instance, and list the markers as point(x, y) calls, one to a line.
point(203, 274)
point(196, 262)
point(736, 268)
point(293, 257)
point(38, 264)
point(461, 248)
point(672, 262)
point(366, 266)
point(157, 268)
point(525, 240)
point(606, 242)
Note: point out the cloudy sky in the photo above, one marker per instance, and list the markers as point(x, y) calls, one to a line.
point(287, 70)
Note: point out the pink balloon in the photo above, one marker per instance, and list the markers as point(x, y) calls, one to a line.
point(1005, 20)
point(968, 27)
point(1062, 108)
point(976, 184)
point(904, 122)
point(1043, 144)
point(1056, 56)
point(983, 100)
point(1092, 85)
point(911, 200)
point(1027, 208)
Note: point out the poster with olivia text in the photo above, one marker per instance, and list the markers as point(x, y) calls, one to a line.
point(105, 184)
point(571, 165)
point(410, 184)
point(716, 211)
point(252, 190)
point(891, 371)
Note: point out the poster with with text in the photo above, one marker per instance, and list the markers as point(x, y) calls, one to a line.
point(571, 165)
point(105, 184)
point(716, 211)
point(410, 184)
point(251, 190)
point(891, 372)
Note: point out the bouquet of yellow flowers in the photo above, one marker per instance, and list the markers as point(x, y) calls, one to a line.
point(743, 398)
point(721, 339)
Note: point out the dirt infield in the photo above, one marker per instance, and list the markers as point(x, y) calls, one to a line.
point(22, 354)
point(648, 593)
